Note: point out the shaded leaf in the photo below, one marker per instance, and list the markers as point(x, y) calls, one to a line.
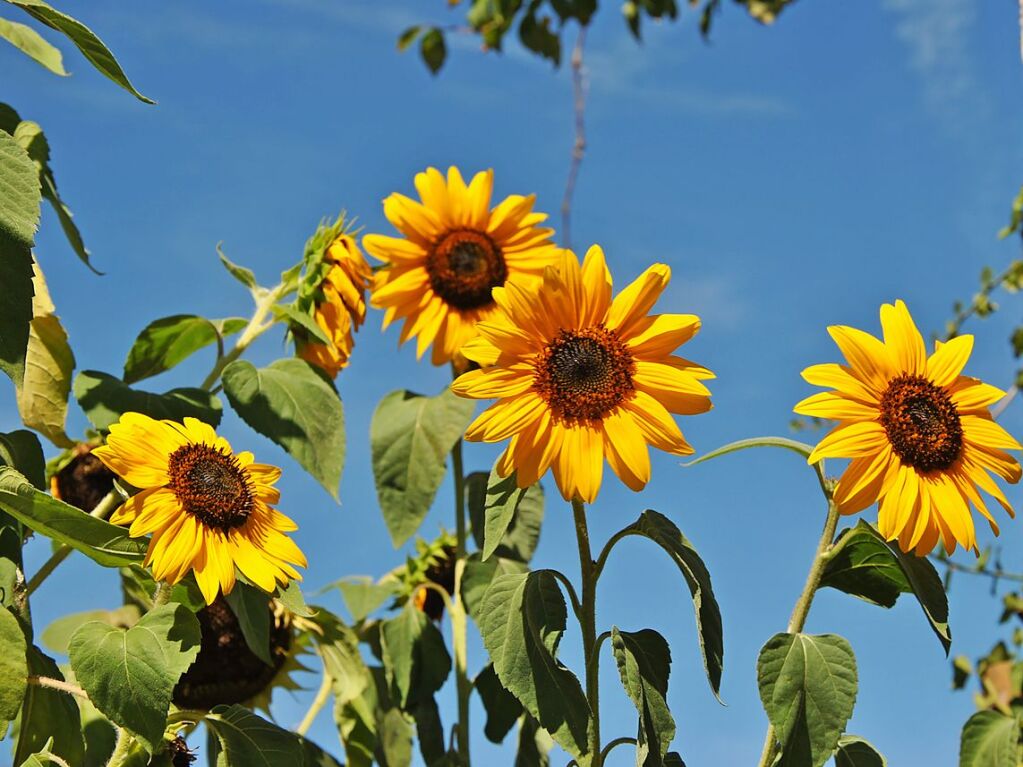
point(245, 276)
point(303, 320)
point(314, 756)
point(339, 647)
point(21, 451)
point(248, 740)
point(433, 49)
point(105, 399)
point(503, 709)
point(13, 665)
point(415, 658)
point(857, 752)
point(252, 609)
point(295, 407)
point(166, 342)
point(48, 714)
point(33, 45)
point(362, 596)
point(534, 744)
point(406, 38)
point(644, 663)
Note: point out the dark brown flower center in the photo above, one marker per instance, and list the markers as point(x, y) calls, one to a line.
point(83, 482)
point(226, 671)
point(584, 374)
point(464, 266)
point(180, 754)
point(922, 423)
point(211, 486)
point(441, 572)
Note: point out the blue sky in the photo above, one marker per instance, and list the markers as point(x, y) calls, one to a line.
point(792, 177)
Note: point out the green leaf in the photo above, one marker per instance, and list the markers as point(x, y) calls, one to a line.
point(33, 45)
point(13, 665)
point(130, 674)
point(49, 715)
point(291, 597)
point(536, 35)
point(990, 739)
point(42, 395)
point(743, 444)
point(662, 531)
point(87, 42)
point(247, 740)
point(433, 49)
point(857, 752)
point(252, 609)
point(363, 597)
point(21, 451)
point(339, 647)
point(644, 663)
point(534, 745)
point(415, 658)
point(105, 399)
point(430, 733)
point(57, 636)
point(19, 214)
point(808, 688)
point(314, 756)
point(410, 437)
point(523, 533)
point(479, 575)
point(43, 757)
point(864, 565)
point(294, 406)
point(503, 709)
point(107, 544)
point(501, 508)
point(303, 320)
point(522, 621)
point(165, 343)
point(245, 276)
point(406, 38)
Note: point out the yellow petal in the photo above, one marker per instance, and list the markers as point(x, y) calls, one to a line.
point(836, 407)
point(850, 440)
point(948, 360)
point(903, 339)
point(636, 300)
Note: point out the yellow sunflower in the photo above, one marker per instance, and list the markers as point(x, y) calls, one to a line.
point(208, 508)
point(919, 433)
point(580, 377)
point(453, 251)
point(340, 309)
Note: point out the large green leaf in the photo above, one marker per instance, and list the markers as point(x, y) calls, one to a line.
point(49, 714)
point(57, 636)
point(990, 739)
point(294, 406)
point(101, 541)
point(33, 45)
point(415, 658)
point(105, 399)
point(19, 215)
point(857, 752)
point(84, 38)
point(478, 576)
point(505, 518)
point(864, 564)
point(130, 674)
point(42, 395)
point(248, 740)
point(13, 665)
point(503, 709)
point(522, 621)
point(665, 533)
point(644, 663)
point(166, 342)
point(411, 436)
point(808, 688)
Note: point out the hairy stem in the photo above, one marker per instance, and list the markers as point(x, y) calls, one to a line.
point(57, 684)
point(802, 609)
point(162, 594)
point(579, 145)
point(459, 623)
point(322, 695)
point(588, 620)
point(122, 749)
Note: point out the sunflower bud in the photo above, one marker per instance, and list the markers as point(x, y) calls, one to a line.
point(180, 754)
point(80, 479)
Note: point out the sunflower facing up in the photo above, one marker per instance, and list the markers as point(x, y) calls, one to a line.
point(580, 377)
point(453, 251)
point(919, 433)
point(208, 508)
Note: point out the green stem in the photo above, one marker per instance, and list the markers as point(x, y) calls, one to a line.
point(122, 749)
point(589, 626)
point(102, 510)
point(258, 324)
point(459, 623)
point(57, 684)
point(802, 609)
point(162, 594)
point(318, 703)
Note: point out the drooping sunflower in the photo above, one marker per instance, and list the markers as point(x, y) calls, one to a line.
point(208, 508)
point(580, 377)
point(919, 433)
point(454, 250)
point(336, 298)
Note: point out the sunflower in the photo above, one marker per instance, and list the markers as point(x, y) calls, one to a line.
point(919, 433)
point(208, 508)
point(453, 251)
point(580, 377)
point(338, 304)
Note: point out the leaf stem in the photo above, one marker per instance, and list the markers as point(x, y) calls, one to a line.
point(318, 703)
point(802, 609)
point(459, 623)
point(589, 627)
point(258, 324)
point(614, 743)
point(57, 684)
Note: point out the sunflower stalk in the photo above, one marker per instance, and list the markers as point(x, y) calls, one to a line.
point(588, 619)
point(459, 622)
point(122, 749)
point(802, 609)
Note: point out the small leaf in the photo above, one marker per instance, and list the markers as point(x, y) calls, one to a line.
point(248, 740)
point(303, 320)
point(857, 752)
point(291, 597)
point(363, 597)
point(252, 609)
point(107, 544)
point(105, 399)
point(130, 674)
point(295, 407)
point(503, 709)
point(990, 739)
point(57, 636)
point(13, 666)
point(166, 342)
point(84, 38)
point(644, 663)
point(414, 655)
point(522, 535)
point(522, 621)
point(33, 45)
point(808, 688)
point(406, 38)
point(410, 437)
point(49, 715)
point(245, 276)
point(433, 49)
point(43, 394)
point(744, 444)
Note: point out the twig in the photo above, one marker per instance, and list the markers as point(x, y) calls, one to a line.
point(1010, 395)
point(579, 86)
point(996, 575)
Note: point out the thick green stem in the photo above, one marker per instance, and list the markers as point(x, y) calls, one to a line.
point(318, 703)
point(802, 609)
point(122, 749)
point(459, 622)
point(258, 324)
point(588, 619)
point(162, 594)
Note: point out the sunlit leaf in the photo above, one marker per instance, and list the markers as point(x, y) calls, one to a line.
point(105, 399)
point(33, 45)
point(990, 739)
point(57, 636)
point(13, 665)
point(166, 342)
